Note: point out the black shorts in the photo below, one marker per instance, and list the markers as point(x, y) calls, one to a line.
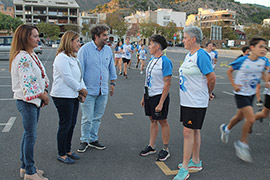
point(243, 101)
point(125, 60)
point(192, 117)
point(267, 101)
point(150, 105)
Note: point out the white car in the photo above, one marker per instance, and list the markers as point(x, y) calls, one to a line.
point(39, 49)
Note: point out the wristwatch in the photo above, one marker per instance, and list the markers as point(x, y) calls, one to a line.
point(112, 84)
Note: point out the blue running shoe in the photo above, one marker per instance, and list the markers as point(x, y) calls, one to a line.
point(224, 135)
point(182, 174)
point(192, 167)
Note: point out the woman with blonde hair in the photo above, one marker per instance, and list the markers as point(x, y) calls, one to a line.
point(68, 89)
point(29, 81)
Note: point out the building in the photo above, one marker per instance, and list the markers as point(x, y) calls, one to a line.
point(159, 16)
point(266, 22)
point(207, 17)
point(7, 11)
point(59, 12)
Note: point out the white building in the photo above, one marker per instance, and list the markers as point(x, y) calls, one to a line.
point(266, 22)
point(160, 16)
point(164, 16)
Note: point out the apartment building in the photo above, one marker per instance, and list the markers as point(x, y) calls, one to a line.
point(7, 11)
point(59, 12)
point(208, 17)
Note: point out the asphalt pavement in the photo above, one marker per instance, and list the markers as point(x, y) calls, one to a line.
point(125, 132)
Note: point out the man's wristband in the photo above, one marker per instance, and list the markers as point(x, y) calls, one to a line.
point(112, 84)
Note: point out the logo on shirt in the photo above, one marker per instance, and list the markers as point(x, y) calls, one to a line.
point(253, 81)
point(189, 122)
point(182, 82)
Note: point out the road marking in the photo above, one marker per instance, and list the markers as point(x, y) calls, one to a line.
point(7, 99)
point(175, 76)
point(223, 63)
point(120, 115)
point(5, 85)
point(3, 69)
point(167, 171)
point(225, 92)
point(220, 77)
point(9, 124)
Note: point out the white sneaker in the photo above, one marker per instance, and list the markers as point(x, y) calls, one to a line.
point(141, 72)
point(242, 152)
point(224, 135)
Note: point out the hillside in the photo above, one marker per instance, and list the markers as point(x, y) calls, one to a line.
point(246, 13)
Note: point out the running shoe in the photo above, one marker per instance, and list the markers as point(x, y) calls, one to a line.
point(259, 103)
point(224, 135)
point(242, 152)
point(97, 145)
point(120, 73)
point(192, 166)
point(83, 147)
point(182, 174)
point(147, 151)
point(163, 155)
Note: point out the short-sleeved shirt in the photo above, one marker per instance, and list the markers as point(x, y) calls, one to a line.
point(212, 56)
point(193, 83)
point(142, 54)
point(216, 54)
point(126, 53)
point(249, 74)
point(156, 70)
point(118, 54)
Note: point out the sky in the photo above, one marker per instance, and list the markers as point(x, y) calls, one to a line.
point(261, 2)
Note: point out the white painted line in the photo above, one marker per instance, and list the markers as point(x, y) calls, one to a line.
point(225, 92)
point(5, 85)
point(7, 99)
point(175, 76)
point(9, 124)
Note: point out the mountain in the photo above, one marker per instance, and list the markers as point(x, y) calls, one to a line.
point(246, 13)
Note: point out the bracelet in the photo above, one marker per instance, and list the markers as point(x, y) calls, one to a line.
point(112, 84)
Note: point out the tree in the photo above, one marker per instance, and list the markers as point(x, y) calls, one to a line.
point(71, 27)
point(85, 29)
point(50, 31)
point(9, 23)
point(228, 33)
point(117, 24)
point(148, 29)
point(170, 30)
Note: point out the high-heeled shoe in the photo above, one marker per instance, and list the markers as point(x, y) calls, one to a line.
point(22, 172)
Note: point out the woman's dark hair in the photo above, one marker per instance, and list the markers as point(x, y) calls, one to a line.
point(160, 40)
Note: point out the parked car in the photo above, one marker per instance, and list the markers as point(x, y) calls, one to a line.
point(170, 43)
point(180, 44)
point(39, 49)
point(5, 43)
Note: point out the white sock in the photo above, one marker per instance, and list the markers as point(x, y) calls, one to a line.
point(243, 144)
point(227, 130)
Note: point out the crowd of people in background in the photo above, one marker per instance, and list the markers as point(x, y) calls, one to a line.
point(85, 76)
